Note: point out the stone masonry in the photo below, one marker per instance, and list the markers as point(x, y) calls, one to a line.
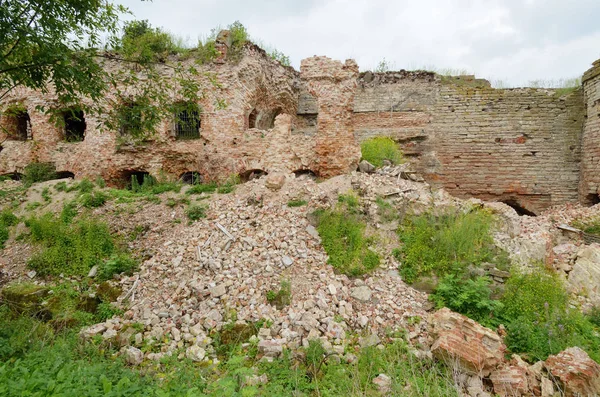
point(531, 148)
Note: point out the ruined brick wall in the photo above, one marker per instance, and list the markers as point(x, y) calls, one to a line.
point(227, 145)
point(333, 85)
point(590, 164)
point(517, 145)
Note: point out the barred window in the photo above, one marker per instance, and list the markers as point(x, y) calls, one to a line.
point(187, 122)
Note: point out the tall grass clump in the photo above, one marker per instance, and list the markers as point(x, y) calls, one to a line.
point(539, 319)
point(38, 172)
point(71, 249)
point(344, 239)
point(7, 219)
point(377, 149)
point(445, 243)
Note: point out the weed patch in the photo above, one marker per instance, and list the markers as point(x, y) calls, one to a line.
point(281, 297)
point(446, 243)
point(377, 149)
point(38, 172)
point(195, 212)
point(343, 236)
point(7, 219)
point(69, 249)
point(296, 203)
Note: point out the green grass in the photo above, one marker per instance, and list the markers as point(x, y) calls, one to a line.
point(210, 187)
point(446, 243)
point(38, 172)
point(343, 237)
point(70, 248)
point(297, 203)
point(282, 297)
point(7, 219)
point(195, 212)
point(377, 149)
point(386, 211)
point(93, 199)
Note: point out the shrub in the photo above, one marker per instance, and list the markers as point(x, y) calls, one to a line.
point(296, 203)
point(93, 200)
point(38, 172)
point(69, 249)
point(202, 188)
point(445, 243)
point(469, 297)
point(343, 236)
point(195, 212)
point(143, 43)
point(7, 219)
point(116, 264)
point(539, 320)
point(281, 297)
point(380, 148)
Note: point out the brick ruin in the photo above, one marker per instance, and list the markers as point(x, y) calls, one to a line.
point(529, 147)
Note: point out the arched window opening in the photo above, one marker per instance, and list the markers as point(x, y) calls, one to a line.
point(15, 176)
point(191, 178)
point(249, 175)
point(17, 124)
point(136, 180)
point(514, 204)
point(75, 125)
point(252, 119)
point(592, 199)
point(65, 174)
point(305, 173)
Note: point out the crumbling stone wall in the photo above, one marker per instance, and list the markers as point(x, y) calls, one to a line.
point(333, 84)
point(590, 164)
point(521, 146)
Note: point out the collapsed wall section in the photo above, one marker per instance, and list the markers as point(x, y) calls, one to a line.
point(515, 145)
point(512, 145)
point(333, 85)
point(590, 166)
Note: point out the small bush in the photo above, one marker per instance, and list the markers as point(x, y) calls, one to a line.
point(69, 212)
point(93, 200)
point(281, 297)
point(69, 249)
point(296, 203)
point(116, 264)
point(202, 188)
point(85, 186)
point(195, 212)
point(539, 320)
point(377, 149)
point(46, 195)
point(445, 243)
point(7, 219)
point(61, 186)
point(38, 172)
point(469, 297)
point(343, 237)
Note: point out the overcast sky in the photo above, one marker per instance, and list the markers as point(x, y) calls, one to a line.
point(511, 40)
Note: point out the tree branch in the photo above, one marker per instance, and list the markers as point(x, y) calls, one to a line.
point(20, 37)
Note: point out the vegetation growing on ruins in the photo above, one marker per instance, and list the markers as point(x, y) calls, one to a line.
point(378, 149)
point(446, 243)
point(344, 238)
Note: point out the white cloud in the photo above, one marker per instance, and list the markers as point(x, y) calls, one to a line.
point(511, 40)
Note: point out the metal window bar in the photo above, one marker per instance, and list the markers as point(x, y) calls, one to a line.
point(187, 124)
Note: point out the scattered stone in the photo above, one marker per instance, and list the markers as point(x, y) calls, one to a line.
point(365, 166)
point(578, 373)
point(90, 332)
point(31, 274)
point(460, 340)
point(218, 291)
point(271, 348)
point(287, 261)
point(275, 181)
point(362, 293)
point(312, 231)
point(195, 353)
point(383, 383)
point(93, 271)
point(133, 355)
point(368, 341)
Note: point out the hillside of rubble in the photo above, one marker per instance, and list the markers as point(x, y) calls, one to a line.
point(370, 283)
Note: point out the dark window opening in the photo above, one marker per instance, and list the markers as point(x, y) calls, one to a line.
point(75, 125)
point(130, 118)
point(305, 173)
point(191, 178)
point(592, 199)
point(17, 125)
point(252, 119)
point(133, 179)
point(15, 176)
point(65, 174)
point(249, 175)
point(187, 122)
point(514, 204)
